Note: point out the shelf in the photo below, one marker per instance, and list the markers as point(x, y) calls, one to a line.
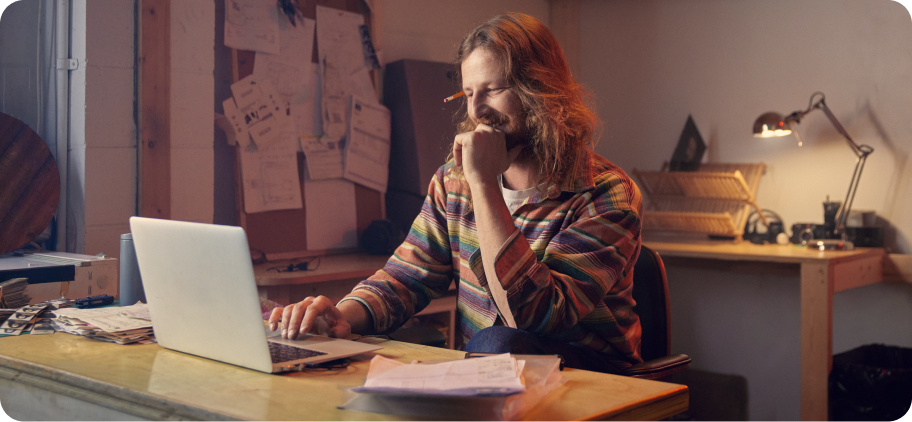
point(716, 200)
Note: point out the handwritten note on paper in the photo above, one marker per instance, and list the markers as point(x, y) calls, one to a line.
point(332, 221)
point(252, 25)
point(368, 149)
point(270, 179)
point(290, 71)
point(339, 37)
point(341, 56)
point(323, 157)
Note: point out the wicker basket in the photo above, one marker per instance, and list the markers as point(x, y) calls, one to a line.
point(716, 200)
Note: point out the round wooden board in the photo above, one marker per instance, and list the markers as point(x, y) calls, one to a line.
point(29, 184)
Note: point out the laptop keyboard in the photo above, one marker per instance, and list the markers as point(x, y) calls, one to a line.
point(284, 353)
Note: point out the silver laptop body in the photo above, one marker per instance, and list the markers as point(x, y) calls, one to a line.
point(202, 296)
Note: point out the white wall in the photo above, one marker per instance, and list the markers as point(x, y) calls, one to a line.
point(432, 29)
point(650, 63)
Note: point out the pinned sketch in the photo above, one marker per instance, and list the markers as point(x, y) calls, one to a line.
point(323, 157)
point(270, 179)
point(233, 124)
point(368, 147)
point(339, 38)
point(290, 71)
point(341, 56)
point(332, 221)
point(261, 109)
point(252, 25)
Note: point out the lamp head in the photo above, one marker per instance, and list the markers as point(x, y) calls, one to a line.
point(770, 125)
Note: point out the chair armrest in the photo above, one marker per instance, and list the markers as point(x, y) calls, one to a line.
point(659, 367)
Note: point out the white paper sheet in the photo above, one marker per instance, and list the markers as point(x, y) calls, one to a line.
point(499, 374)
point(341, 57)
point(290, 71)
point(339, 38)
point(323, 157)
point(331, 216)
point(270, 179)
point(368, 147)
point(265, 113)
point(252, 25)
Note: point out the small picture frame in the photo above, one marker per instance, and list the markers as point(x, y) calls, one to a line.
point(689, 152)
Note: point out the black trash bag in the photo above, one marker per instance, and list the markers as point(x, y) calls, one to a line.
point(871, 383)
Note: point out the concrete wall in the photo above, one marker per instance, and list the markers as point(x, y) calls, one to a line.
point(650, 63)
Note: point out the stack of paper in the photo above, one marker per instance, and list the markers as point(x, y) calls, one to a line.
point(498, 387)
point(125, 325)
point(12, 292)
point(493, 375)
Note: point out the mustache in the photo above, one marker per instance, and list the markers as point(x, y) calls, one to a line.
point(494, 120)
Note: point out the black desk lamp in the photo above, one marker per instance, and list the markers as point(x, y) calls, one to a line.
point(773, 124)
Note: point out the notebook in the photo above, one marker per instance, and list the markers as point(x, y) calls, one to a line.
point(201, 292)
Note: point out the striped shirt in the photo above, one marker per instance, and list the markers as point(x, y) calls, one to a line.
point(567, 269)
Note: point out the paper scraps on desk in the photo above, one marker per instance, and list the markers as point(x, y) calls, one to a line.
point(121, 325)
point(443, 399)
point(33, 319)
point(21, 320)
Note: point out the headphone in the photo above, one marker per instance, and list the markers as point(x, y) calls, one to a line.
point(752, 230)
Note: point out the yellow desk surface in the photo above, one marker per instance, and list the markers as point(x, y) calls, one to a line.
point(821, 273)
point(155, 383)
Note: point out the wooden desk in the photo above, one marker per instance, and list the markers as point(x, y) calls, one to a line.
point(821, 274)
point(42, 375)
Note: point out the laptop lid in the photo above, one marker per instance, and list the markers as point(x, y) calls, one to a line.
point(200, 287)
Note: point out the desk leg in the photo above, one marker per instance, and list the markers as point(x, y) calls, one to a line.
point(816, 338)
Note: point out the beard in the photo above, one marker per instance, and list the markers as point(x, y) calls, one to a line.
point(515, 132)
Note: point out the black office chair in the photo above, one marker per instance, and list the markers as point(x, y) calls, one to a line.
point(650, 291)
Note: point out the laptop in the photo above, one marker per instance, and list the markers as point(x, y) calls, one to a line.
point(202, 296)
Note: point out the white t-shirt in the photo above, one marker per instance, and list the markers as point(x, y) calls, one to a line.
point(515, 198)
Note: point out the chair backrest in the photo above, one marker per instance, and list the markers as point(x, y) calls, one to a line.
point(650, 291)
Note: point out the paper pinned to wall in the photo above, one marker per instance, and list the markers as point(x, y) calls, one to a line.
point(332, 221)
point(252, 25)
point(339, 38)
point(368, 147)
point(341, 57)
point(270, 179)
point(323, 157)
point(265, 113)
point(291, 70)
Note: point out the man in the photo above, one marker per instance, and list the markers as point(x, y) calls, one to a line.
point(540, 233)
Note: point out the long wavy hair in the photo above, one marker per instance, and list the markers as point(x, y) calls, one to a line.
point(560, 123)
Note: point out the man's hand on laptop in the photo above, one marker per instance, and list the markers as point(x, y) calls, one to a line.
point(315, 315)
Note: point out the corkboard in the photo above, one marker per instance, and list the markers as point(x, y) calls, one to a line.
point(283, 234)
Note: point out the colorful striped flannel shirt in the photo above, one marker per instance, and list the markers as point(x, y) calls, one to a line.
point(567, 269)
